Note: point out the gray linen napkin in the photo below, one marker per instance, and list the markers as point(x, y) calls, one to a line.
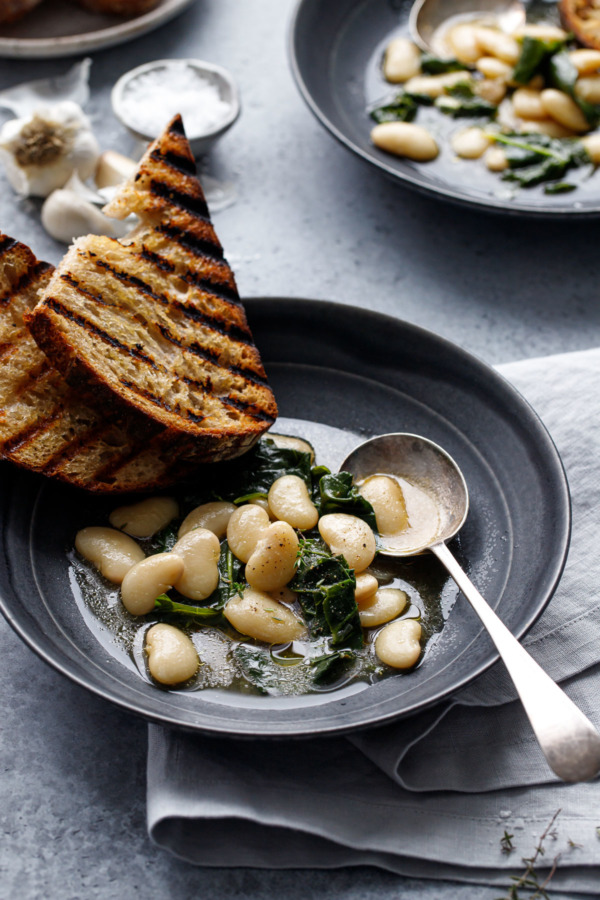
point(429, 796)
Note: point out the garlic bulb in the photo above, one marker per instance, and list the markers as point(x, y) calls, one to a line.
point(42, 150)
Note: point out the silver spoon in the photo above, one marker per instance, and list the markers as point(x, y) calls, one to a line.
point(567, 738)
point(426, 16)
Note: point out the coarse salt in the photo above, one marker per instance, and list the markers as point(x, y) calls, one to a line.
point(154, 97)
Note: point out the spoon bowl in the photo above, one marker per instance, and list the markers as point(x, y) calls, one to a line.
point(420, 462)
point(566, 737)
point(426, 17)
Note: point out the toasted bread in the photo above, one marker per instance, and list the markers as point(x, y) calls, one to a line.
point(44, 425)
point(153, 322)
point(582, 17)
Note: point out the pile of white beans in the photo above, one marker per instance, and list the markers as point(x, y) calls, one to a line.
point(264, 536)
point(491, 54)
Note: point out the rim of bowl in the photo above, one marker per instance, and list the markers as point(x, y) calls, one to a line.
point(201, 66)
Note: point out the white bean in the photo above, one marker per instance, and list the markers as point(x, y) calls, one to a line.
point(172, 658)
point(435, 85)
point(527, 104)
point(213, 516)
point(273, 562)
point(200, 550)
point(289, 442)
point(405, 139)
point(495, 159)
point(350, 537)
point(492, 67)
point(259, 616)
point(585, 60)
point(145, 518)
point(112, 552)
point(501, 45)
point(148, 579)
point(591, 142)
point(402, 60)
point(543, 31)
point(289, 501)
point(397, 644)
point(492, 89)
point(462, 40)
point(246, 527)
point(386, 497)
point(383, 606)
point(366, 587)
point(545, 126)
point(470, 143)
point(588, 89)
point(563, 109)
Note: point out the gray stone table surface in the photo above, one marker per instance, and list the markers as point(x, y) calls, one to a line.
point(307, 220)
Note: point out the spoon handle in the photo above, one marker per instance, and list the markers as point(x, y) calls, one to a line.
point(567, 738)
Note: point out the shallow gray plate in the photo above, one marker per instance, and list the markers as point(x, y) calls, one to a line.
point(336, 49)
point(360, 373)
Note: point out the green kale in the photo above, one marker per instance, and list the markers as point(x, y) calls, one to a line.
point(534, 58)
point(331, 666)
point(253, 473)
point(164, 606)
point(339, 494)
point(433, 65)
point(536, 158)
point(402, 108)
point(461, 101)
point(257, 668)
point(563, 76)
point(325, 586)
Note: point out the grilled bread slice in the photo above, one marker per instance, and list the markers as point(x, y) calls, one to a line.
point(44, 425)
point(153, 322)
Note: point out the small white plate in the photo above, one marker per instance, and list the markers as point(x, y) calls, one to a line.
point(62, 28)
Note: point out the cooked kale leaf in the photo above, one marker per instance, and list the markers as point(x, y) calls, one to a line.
point(534, 58)
point(339, 494)
point(325, 586)
point(537, 158)
point(433, 65)
point(402, 108)
point(461, 101)
point(563, 75)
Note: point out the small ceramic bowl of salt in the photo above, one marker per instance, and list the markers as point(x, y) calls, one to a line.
point(145, 99)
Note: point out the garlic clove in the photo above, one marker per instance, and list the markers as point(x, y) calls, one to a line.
point(113, 169)
point(41, 151)
point(66, 215)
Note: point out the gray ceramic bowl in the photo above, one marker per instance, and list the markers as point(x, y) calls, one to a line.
point(201, 140)
point(340, 374)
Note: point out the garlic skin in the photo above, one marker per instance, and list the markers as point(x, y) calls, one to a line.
point(42, 150)
point(67, 215)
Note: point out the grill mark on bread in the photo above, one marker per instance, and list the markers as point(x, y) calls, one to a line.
point(201, 247)
point(35, 429)
point(132, 281)
point(31, 274)
point(213, 356)
point(219, 289)
point(175, 161)
point(250, 409)
point(192, 204)
point(165, 265)
point(216, 323)
point(70, 279)
point(82, 322)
